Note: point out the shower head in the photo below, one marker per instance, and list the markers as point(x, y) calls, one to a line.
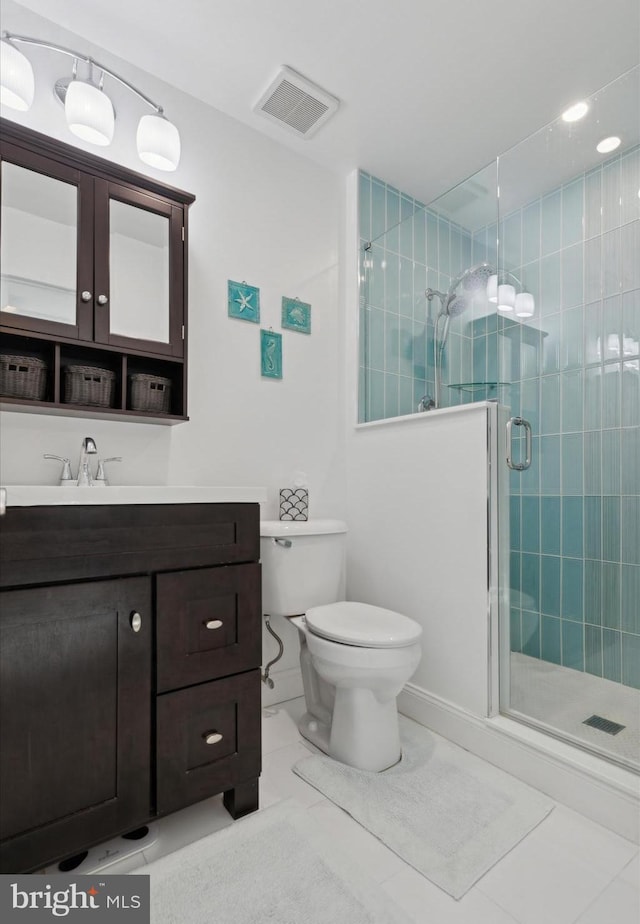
point(456, 305)
point(473, 278)
point(454, 302)
point(470, 280)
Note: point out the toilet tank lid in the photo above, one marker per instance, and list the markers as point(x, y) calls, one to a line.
point(269, 528)
point(362, 625)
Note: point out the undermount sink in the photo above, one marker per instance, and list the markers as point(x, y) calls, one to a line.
point(32, 495)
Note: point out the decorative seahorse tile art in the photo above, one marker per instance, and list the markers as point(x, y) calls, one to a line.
point(270, 354)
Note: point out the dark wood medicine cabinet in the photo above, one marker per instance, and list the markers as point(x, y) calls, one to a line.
point(94, 276)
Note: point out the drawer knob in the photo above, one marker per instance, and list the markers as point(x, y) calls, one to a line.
point(212, 737)
point(213, 623)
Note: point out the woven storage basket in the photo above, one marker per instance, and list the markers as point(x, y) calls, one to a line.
point(90, 385)
point(22, 376)
point(150, 393)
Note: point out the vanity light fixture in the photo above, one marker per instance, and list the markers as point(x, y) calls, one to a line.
point(608, 144)
point(525, 305)
point(492, 288)
point(576, 112)
point(507, 294)
point(506, 297)
point(18, 84)
point(89, 110)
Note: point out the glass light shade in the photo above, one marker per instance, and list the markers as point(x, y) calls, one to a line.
point(158, 142)
point(17, 81)
point(525, 305)
point(506, 297)
point(492, 288)
point(89, 112)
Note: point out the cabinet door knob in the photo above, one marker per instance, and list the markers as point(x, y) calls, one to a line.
point(213, 623)
point(212, 737)
point(136, 621)
point(102, 299)
point(85, 296)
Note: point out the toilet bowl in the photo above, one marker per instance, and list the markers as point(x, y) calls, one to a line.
point(355, 658)
point(365, 673)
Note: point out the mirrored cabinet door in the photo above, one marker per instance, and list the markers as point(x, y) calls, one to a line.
point(138, 270)
point(45, 247)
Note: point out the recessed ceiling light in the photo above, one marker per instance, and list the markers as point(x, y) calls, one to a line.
point(575, 112)
point(608, 144)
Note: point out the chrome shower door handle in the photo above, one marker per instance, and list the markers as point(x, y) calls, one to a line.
point(519, 422)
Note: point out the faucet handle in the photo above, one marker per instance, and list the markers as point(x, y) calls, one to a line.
point(101, 476)
point(65, 477)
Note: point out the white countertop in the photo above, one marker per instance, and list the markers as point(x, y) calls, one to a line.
point(21, 495)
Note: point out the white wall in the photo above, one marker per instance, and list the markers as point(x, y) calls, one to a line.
point(262, 214)
point(417, 510)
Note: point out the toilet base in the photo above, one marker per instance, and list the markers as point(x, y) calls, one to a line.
point(364, 732)
point(315, 731)
point(365, 737)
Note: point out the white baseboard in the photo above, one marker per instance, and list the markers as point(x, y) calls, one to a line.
point(287, 684)
point(605, 793)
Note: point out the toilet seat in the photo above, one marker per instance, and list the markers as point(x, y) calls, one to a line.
point(362, 625)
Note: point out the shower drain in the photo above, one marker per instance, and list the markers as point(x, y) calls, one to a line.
point(605, 725)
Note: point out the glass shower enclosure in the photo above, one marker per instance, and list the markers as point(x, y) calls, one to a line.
point(552, 334)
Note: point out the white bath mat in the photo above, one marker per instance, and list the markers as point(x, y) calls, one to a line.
point(444, 811)
point(275, 865)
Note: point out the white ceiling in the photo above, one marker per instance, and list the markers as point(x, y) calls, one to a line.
point(430, 90)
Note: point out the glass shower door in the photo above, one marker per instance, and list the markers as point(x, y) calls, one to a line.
point(569, 234)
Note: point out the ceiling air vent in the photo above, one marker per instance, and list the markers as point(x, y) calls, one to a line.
point(297, 104)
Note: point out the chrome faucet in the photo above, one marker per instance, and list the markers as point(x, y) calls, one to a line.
point(88, 448)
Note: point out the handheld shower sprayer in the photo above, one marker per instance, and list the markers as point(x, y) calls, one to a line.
point(454, 303)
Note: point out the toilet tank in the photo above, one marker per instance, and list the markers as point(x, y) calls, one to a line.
point(302, 564)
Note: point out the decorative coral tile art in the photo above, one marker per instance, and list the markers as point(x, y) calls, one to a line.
point(243, 301)
point(296, 315)
point(270, 354)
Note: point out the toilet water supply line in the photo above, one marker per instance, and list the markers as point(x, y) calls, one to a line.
point(286, 543)
point(265, 676)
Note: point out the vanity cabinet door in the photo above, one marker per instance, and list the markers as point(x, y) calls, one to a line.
point(75, 686)
point(139, 282)
point(46, 245)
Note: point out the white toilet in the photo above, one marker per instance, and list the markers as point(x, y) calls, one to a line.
point(355, 658)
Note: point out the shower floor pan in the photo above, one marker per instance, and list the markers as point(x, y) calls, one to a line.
point(564, 699)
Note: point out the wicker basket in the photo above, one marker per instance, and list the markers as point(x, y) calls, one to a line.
point(22, 376)
point(150, 393)
point(89, 385)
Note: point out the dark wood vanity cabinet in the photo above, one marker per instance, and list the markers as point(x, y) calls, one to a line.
point(130, 650)
point(94, 274)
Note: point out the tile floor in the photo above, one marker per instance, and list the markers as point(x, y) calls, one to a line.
point(569, 870)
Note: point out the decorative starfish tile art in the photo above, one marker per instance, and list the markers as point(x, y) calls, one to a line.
point(243, 301)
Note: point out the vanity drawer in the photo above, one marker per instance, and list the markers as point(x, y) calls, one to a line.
point(208, 739)
point(59, 543)
point(208, 624)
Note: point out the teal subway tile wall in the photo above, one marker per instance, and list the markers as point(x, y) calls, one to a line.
point(404, 249)
point(573, 370)
point(579, 247)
